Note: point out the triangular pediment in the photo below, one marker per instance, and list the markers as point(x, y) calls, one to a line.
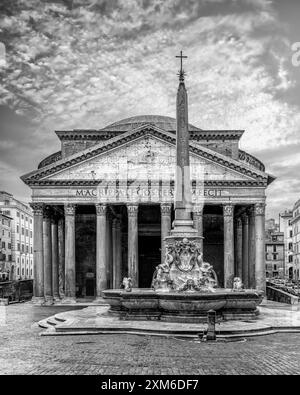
point(147, 153)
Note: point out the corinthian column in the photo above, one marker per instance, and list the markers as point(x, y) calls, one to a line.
point(260, 271)
point(133, 265)
point(61, 257)
point(38, 257)
point(165, 226)
point(239, 248)
point(245, 278)
point(101, 250)
point(47, 256)
point(54, 239)
point(70, 267)
point(117, 254)
point(251, 248)
point(228, 245)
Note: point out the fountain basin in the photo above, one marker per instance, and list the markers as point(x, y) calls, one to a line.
point(146, 304)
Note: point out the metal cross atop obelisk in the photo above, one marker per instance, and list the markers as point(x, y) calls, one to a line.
point(181, 72)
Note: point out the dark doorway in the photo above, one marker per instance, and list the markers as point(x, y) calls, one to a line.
point(149, 258)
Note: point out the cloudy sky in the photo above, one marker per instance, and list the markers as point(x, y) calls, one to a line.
point(88, 63)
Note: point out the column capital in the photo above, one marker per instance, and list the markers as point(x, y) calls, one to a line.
point(70, 209)
point(228, 210)
point(37, 208)
point(101, 209)
point(259, 209)
point(132, 210)
point(166, 208)
point(47, 212)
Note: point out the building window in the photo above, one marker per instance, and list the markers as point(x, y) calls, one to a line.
point(290, 258)
point(23, 248)
point(23, 231)
point(22, 216)
point(291, 233)
point(9, 246)
point(27, 232)
point(274, 249)
point(18, 229)
point(30, 250)
point(3, 244)
point(18, 214)
point(23, 272)
point(31, 221)
point(9, 258)
point(26, 219)
point(31, 272)
point(27, 249)
point(18, 246)
point(18, 271)
point(31, 234)
point(274, 257)
point(290, 246)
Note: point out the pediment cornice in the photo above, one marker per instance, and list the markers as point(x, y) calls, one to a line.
point(118, 141)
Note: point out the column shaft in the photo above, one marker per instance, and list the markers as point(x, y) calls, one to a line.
point(54, 242)
point(252, 243)
point(260, 271)
point(245, 277)
point(70, 267)
point(228, 246)
point(101, 255)
point(165, 227)
point(47, 256)
point(61, 257)
point(38, 257)
point(133, 268)
point(239, 248)
point(109, 253)
point(117, 254)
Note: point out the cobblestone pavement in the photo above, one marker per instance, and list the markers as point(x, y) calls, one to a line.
point(23, 351)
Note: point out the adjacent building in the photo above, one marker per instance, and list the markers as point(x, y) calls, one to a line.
point(285, 225)
point(18, 233)
point(295, 222)
point(275, 250)
point(6, 267)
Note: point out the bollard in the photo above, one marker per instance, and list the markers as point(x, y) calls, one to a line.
point(211, 329)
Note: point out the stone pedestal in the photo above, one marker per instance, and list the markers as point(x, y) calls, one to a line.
point(165, 227)
point(198, 223)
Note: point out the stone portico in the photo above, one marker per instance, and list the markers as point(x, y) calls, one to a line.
point(104, 204)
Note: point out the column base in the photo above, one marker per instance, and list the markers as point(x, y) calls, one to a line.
point(99, 300)
point(38, 300)
point(56, 299)
point(68, 300)
point(48, 301)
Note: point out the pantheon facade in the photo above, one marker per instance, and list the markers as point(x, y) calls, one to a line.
point(103, 205)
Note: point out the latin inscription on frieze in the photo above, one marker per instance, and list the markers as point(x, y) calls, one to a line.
point(123, 194)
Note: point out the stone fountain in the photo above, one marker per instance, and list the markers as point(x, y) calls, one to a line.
point(184, 287)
